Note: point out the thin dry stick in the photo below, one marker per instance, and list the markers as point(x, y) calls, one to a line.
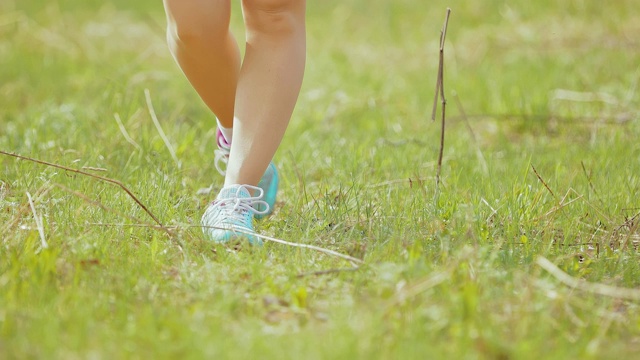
point(588, 176)
point(566, 120)
point(407, 181)
point(101, 205)
point(542, 181)
point(424, 285)
point(141, 225)
point(628, 239)
point(304, 246)
point(280, 241)
point(494, 211)
point(154, 118)
point(464, 117)
point(124, 132)
point(312, 247)
point(91, 168)
point(268, 238)
point(562, 204)
point(440, 93)
point(102, 178)
point(327, 272)
point(479, 154)
point(24, 208)
point(631, 225)
point(430, 281)
point(38, 220)
point(440, 77)
point(594, 288)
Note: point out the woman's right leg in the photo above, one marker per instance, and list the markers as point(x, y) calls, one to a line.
point(200, 41)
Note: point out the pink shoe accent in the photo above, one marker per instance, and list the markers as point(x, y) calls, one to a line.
point(220, 139)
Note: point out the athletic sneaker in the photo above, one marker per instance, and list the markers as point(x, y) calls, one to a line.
point(268, 183)
point(230, 216)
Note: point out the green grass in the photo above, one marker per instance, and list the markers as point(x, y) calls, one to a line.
point(447, 274)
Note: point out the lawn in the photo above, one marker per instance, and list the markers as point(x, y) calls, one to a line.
point(527, 249)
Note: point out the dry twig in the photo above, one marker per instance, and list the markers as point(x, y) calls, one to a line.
point(562, 204)
point(101, 178)
point(631, 224)
point(351, 259)
point(125, 133)
point(542, 181)
point(38, 220)
point(22, 210)
point(588, 176)
point(431, 281)
point(594, 288)
point(479, 154)
point(440, 93)
point(327, 272)
point(85, 198)
point(154, 118)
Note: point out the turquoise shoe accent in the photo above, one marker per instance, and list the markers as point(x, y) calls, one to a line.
point(269, 185)
point(230, 217)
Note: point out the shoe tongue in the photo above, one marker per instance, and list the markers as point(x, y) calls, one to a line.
point(232, 192)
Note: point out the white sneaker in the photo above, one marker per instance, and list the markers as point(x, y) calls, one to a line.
point(230, 216)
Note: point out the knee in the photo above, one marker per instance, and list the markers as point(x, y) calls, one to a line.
point(274, 16)
point(193, 22)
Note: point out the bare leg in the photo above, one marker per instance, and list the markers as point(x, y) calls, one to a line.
point(200, 41)
point(268, 86)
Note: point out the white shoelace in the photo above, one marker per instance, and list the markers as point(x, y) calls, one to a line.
point(233, 210)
